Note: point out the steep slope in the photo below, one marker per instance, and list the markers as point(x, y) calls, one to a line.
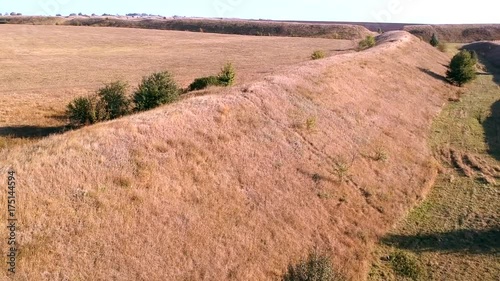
point(236, 185)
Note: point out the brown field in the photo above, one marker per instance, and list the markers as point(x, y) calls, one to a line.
point(231, 185)
point(44, 67)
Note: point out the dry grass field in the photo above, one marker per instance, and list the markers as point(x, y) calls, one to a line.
point(231, 185)
point(44, 67)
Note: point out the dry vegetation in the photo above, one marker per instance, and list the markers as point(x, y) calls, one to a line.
point(232, 185)
point(44, 67)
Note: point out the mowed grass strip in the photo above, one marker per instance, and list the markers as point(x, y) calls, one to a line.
point(454, 233)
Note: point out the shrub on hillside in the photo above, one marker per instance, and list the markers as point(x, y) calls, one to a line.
point(316, 55)
point(225, 78)
point(462, 68)
point(204, 82)
point(114, 100)
point(315, 268)
point(408, 266)
point(155, 90)
point(367, 43)
point(434, 40)
point(227, 75)
point(82, 111)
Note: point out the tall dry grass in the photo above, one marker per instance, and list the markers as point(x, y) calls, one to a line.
point(231, 186)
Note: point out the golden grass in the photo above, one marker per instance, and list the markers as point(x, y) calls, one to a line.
point(226, 186)
point(44, 67)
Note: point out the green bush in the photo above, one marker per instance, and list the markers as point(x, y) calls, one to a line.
point(227, 75)
point(204, 82)
point(462, 68)
point(82, 111)
point(407, 265)
point(315, 268)
point(114, 100)
point(434, 40)
point(316, 55)
point(367, 43)
point(155, 90)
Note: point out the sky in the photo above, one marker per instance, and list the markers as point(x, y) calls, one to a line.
point(402, 11)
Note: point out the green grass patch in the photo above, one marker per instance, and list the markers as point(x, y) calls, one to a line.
point(454, 233)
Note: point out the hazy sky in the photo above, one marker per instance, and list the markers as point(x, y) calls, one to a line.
point(407, 11)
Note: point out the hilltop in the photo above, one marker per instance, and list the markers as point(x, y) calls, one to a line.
point(237, 184)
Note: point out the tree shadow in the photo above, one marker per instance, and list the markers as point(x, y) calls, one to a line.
point(433, 74)
point(31, 132)
point(492, 131)
point(458, 241)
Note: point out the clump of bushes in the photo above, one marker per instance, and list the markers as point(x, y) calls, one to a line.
point(316, 267)
point(225, 78)
point(82, 111)
point(367, 43)
point(462, 68)
point(110, 102)
point(406, 265)
point(204, 82)
point(155, 90)
point(316, 55)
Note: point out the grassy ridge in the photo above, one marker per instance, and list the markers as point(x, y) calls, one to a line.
point(241, 27)
point(454, 234)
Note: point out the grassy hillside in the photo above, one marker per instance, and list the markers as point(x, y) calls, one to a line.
point(454, 233)
point(459, 33)
point(238, 184)
point(45, 67)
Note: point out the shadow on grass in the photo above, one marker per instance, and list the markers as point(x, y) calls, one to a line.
point(434, 74)
point(459, 241)
point(31, 131)
point(492, 131)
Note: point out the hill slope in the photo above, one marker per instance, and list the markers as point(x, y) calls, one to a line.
point(458, 33)
point(236, 185)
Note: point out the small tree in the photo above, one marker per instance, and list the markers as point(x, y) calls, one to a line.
point(462, 68)
point(114, 100)
point(155, 90)
point(434, 40)
point(227, 75)
point(81, 111)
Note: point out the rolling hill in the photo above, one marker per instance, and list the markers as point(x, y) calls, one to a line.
point(238, 184)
